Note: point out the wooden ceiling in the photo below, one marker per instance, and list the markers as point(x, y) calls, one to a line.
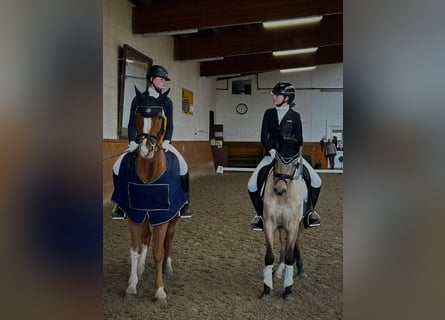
point(232, 32)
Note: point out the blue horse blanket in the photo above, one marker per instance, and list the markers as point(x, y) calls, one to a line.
point(161, 199)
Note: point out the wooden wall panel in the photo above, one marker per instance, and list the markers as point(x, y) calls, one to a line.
point(198, 155)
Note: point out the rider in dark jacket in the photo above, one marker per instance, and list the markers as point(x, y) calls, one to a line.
point(278, 122)
point(157, 76)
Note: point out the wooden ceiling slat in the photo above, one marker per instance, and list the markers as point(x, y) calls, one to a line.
point(197, 14)
point(257, 39)
point(267, 62)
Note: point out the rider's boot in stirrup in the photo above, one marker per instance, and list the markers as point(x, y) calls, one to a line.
point(257, 221)
point(117, 213)
point(312, 219)
point(185, 186)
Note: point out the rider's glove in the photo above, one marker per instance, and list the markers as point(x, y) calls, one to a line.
point(166, 145)
point(132, 146)
point(272, 153)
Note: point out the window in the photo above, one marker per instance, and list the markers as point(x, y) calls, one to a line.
point(242, 87)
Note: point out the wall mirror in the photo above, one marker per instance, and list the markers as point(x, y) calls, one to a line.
point(133, 70)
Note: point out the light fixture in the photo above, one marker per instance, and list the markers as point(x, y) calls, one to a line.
point(169, 33)
point(206, 59)
point(295, 51)
point(298, 69)
point(291, 22)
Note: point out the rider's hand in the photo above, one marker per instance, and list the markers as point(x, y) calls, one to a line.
point(132, 146)
point(272, 152)
point(166, 145)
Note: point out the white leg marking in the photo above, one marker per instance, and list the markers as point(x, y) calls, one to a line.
point(168, 266)
point(141, 262)
point(133, 280)
point(160, 294)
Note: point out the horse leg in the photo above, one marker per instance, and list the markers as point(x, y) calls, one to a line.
point(268, 261)
point(159, 233)
point(171, 230)
point(135, 254)
point(299, 260)
point(289, 260)
point(280, 269)
point(145, 240)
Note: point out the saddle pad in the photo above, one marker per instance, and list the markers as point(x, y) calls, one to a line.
point(149, 196)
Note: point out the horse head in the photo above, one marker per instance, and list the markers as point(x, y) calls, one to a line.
point(150, 122)
point(285, 165)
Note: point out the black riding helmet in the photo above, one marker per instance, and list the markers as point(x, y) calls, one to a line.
point(157, 71)
point(286, 89)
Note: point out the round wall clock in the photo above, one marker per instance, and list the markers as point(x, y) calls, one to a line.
point(241, 108)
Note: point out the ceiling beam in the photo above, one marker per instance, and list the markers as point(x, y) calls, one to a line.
point(258, 39)
point(200, 14)
point(267, 62)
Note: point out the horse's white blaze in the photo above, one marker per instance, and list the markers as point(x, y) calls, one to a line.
point(160, 293)
point(133, 280)
point(289, 276)
point(267, 273)
point(141, 262)
point(279, 272)
point(147, 125)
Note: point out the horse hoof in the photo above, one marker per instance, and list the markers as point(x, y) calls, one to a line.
point(289, 296)
point(302, 275)
point(130, 291)
point(266, 296)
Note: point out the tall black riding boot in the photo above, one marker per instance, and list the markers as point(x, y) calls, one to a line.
point(313, 218)
point(185, 186)
point(257, 222)
point(116, 213)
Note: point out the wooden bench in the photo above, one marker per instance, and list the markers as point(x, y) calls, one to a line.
point(244, 154)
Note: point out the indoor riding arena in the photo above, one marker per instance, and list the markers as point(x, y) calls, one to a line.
point(218, 261)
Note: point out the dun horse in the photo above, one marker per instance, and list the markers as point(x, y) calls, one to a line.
point(283, 211)
point(150, 195)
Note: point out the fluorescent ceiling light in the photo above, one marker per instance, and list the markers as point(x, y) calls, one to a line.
point(169, 33)
point(296, 51)
point(206, 59)
point(298, 69)
point(291, 22)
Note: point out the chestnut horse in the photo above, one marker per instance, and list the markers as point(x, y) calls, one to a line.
point(153, 204)
point(283, 211)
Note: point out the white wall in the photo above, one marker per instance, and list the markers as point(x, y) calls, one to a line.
point(320, 110)
point(117, 32)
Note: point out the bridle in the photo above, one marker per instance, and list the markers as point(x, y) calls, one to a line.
point(295, 161)
point(155, 141)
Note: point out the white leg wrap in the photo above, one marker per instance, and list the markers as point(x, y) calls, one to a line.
point(133, 280)
point(267, 276)
point(289, 276)
point(141, 261)
point(279, 272)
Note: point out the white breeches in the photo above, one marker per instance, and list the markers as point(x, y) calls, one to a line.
point(252, 184)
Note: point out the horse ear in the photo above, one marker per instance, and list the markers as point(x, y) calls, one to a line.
point(165, 93)
point(139, 95)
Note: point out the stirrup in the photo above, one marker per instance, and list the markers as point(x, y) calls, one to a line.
point(313, 219)
point(117, 213)
point(185, 212)
point(257, 223)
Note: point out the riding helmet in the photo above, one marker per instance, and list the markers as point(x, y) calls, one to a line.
point(157, 71)
point(286, 89)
